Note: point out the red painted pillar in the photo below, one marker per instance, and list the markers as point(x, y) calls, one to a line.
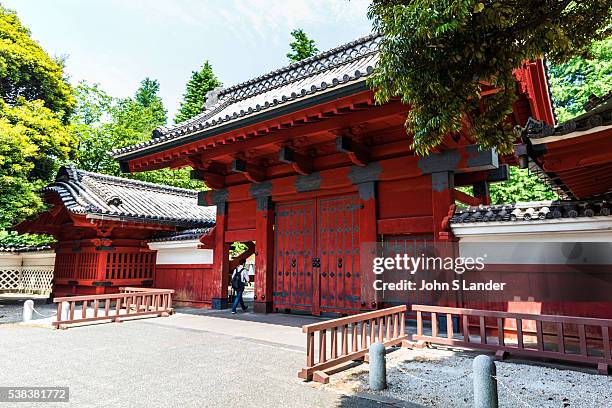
point(442, 184)
point(220, 267)
point(367, 242)
point(264, 255)
point(101, 280)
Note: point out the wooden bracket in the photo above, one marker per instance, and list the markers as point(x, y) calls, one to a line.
point(300, 163)
point(212, 173)
point(466, 198)
point(212, 180)
point(253, 173)
point(356, 152)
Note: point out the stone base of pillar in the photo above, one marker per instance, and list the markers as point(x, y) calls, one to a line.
point(262, 307)
point(219, 303)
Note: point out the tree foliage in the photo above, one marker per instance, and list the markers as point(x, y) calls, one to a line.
point(35, 104)
point(33, 143)
point(589, 74)
point(445, 51)
point(200, 83)
point(13, 238)
point(103, 123)
point(28, 72)
point(302, 47)
point(522, 186)
point(147, 97)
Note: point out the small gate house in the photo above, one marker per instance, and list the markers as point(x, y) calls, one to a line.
point(102, 225)
point(304, 163)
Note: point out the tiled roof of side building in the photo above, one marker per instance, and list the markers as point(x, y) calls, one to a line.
point(347, 64)
point(598, 113)
point(24, 248)
point(108, 197)
point(184, 235)
point(532, 211)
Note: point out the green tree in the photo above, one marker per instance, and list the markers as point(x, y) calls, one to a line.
point(446, 51)
point(27, 71)
point(147, 97)
point(200, 83)
point(522, 186)
point(571, 84)
point(35, 104)
point(589, 74)
point(33, 143)
point(103, 123)
point(302, 47)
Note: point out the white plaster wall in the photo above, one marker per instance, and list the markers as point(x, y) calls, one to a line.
point(181, 253)
point(575, 241)
point(9, 259)
point(594, 229)
point(46, 258)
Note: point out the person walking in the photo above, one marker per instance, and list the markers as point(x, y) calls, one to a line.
point(240, 278)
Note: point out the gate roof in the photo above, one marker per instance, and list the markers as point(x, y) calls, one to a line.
point(330, 72)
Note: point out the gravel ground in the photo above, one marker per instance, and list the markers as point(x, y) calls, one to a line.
point(11, 307)
point(442, 378)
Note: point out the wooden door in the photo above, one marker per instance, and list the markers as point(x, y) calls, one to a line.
point(338, 248)
point(316, 267)
point(294, 248)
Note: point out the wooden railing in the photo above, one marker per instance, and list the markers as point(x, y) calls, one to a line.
point(556, 337)
point(130, 302)
point(349, 338)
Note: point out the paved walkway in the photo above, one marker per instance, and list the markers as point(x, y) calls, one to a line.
point(212, 359)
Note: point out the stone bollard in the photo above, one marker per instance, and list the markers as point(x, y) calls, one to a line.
point(378, 367)
point(65, 311)
point(485, 385)
point(28, 309)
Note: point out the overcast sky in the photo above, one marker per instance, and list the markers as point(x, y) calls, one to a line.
point(117, 43)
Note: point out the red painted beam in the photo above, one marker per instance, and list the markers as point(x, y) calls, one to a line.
point(466, 198)
point(407, 225)
point(243, 235)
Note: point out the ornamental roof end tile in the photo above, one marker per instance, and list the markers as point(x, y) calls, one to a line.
point(598, 113)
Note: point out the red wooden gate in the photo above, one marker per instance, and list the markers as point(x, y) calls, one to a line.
point(316, 267)
point(338, 244)
point(295, 242)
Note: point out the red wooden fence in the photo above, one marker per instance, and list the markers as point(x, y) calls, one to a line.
point(130, 302)
point(356, 334)
point(556, 337)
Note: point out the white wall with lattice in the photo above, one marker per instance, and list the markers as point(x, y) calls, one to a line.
point(26, 272)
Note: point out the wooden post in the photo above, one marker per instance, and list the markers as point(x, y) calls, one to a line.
point(220, 267)
point(264, 258)
point(442, 184)
point(367, 241)
point(101, 260)
point(481, 190)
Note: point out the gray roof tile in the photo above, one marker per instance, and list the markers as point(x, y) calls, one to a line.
point(188, 234)
point(532, 211)
point(103, 196)
point(13, 248)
